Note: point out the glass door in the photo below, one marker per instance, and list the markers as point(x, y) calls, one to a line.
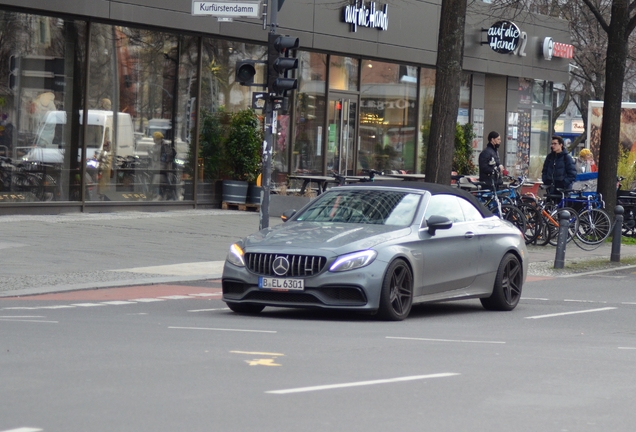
point(342, 134)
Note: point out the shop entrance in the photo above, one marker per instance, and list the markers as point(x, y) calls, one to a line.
point(342, 121)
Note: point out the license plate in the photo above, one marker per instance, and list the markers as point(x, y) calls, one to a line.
point(281, 284)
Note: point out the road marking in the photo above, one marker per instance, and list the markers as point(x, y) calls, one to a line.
point(28, 320)
point(23, 429)
point(445, 340)
point(21, 316)
point(55, 307)
point(627, 348)
point(118, 302)
point(535, 298)
point(208, 310)
point(631, 303)
point(262, 362)
point(175, 297)
point(206, 294)
point(584, 301)
point(19, 308)
point(258, 353)
point(570, 313)
point(87, 304)
point(360, 383)
point(221, 329)
point(147, 300)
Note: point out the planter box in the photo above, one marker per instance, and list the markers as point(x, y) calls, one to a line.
point(279, 204)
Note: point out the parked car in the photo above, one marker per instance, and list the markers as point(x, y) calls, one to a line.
point(379, 247)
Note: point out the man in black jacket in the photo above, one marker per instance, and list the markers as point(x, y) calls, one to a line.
point(490, 167)
point(559, 169)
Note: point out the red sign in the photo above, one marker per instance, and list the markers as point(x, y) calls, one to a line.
point(563, 50)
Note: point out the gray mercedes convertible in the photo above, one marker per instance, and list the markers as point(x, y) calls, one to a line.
point(379, 247)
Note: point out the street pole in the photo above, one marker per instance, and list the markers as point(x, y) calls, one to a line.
point(270, 131)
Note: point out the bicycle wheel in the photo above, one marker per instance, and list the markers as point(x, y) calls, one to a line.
point(594, 226)
point(514, 215)
point(572, 228)
point(534, 222)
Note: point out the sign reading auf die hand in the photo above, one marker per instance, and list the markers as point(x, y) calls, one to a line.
point(504, 37)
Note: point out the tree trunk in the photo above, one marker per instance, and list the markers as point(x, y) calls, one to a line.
point(450, 52)
point(610, 127)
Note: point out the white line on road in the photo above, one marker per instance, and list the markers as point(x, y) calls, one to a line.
point(147, 300)
point(23, 429)
point(87, 304)
point(360, 383)
point(445, 340)
point(570, 313)
point(206, 294)
point(533, 298)
point(627, 348)
point(56, 307)
point(584, 301)
point(221, 329)
point(208, 310)
point(175, 297)
point(28, 320)
point(632, 303)
point(21, 316)
point(118, 302)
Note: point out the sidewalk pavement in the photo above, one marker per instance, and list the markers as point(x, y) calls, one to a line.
point(55, 253)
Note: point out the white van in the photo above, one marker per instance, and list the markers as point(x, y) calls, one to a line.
point(49, 144)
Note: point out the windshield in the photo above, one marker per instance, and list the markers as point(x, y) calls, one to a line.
point(380, 207)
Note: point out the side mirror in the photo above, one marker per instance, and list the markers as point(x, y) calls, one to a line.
point(287, 215)
point(437, 222)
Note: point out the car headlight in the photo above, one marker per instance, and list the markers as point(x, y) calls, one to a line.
point(353, 261)
point(235, 256)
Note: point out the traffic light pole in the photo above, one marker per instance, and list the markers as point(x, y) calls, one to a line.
point(270, 129)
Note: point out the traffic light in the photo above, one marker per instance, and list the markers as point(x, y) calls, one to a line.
point(279, 62)
point(245, 71)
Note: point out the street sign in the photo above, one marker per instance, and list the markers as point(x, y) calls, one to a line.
point(227, 9)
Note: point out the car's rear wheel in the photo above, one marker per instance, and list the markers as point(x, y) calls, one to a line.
point(508, 283)
point(396, 297)
point(245, 308)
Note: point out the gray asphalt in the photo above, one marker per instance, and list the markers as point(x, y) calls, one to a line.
point(56, 253)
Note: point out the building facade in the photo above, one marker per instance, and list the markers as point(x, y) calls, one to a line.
point(143, 74)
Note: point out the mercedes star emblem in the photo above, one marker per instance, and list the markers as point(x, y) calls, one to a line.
point(280, 266)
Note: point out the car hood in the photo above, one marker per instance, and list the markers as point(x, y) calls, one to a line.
point(326, 236)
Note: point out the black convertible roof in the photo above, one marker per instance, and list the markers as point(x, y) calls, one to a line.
point(433, 188)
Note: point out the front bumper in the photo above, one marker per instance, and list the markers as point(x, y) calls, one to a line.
point(357, 289)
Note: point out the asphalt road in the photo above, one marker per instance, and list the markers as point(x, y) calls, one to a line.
point(173, 358)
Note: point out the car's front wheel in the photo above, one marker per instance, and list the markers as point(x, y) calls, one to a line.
point(245, 308)
point(396, 297)
point(508, 283)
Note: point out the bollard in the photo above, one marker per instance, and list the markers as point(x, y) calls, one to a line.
point(617, 234)
point(564, 225)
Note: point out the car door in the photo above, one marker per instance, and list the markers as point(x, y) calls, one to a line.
point(450, 256)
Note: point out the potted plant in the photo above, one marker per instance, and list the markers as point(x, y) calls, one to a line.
point(212, 137)
point(242, 155)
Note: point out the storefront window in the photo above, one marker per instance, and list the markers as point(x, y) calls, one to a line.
point(343, 73)
point(220, 93)
point(39, 109)
point(307, 152)
point(539, 141)
point(427, 94)
point(387, 117)
point(147, 78)
point(463, 114)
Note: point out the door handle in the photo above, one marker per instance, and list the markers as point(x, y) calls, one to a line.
point(469, 234)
